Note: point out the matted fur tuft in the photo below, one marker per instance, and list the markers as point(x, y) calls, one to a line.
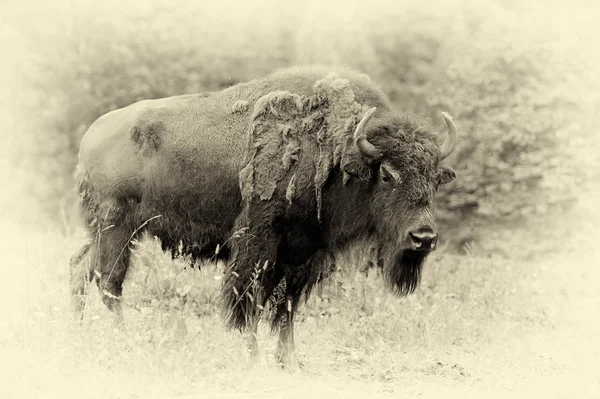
point(285, 125)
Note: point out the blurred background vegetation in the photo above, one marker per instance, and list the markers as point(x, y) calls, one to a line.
point(521, 80)
point(518, 79)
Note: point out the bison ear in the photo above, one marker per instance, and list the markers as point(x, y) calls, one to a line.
point(446, 175)
point(356, 166)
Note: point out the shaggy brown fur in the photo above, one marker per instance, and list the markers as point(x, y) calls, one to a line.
point(268, 172)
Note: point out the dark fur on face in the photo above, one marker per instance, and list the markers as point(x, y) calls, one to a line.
point(413, 153)
point(406, 200)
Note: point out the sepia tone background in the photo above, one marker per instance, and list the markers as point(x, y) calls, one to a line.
point(508, 306)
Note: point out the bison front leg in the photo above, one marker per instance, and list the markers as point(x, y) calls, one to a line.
point(287, 304)
point(270, 279)
point(285, 344)
point(299, 279)
point(246, 297)
point(250, 278)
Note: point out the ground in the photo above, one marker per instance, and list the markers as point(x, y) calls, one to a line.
point(515, 317)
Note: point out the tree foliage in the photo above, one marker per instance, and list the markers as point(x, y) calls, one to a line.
point(510, 89)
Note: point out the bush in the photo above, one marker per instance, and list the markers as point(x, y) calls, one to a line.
point(506, 86)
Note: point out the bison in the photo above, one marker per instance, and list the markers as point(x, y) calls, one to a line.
point(274, 176)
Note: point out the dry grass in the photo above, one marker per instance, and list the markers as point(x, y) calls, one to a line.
point(516, 317)
point(480, 324)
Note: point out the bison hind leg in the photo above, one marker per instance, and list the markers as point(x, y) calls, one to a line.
point(111, 266)
point(80, 277)
point(106, 260)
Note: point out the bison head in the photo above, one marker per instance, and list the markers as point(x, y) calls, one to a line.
point(405, 171)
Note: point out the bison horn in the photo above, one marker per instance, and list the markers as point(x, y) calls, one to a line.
point(448, 146)
point(360, 139)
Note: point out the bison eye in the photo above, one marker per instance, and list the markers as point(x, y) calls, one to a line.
point(387, 174)
point(385, 177)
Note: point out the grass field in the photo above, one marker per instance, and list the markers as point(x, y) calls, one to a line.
point(516, 316)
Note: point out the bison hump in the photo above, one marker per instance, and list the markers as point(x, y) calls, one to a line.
point(295, 141)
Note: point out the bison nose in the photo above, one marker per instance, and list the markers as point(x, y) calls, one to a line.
point(423, 239)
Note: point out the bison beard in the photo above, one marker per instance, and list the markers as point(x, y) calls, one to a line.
point(402, 272)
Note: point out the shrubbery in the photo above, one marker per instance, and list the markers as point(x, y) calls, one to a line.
point(508, 89)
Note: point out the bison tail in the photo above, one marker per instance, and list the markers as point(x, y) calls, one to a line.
point(87, 204)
